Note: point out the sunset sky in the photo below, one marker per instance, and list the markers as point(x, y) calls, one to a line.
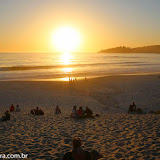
point(28, 25)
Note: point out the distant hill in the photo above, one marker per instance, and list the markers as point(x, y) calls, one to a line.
point(123, 49)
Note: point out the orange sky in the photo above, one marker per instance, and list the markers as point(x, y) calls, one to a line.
point(27, 26)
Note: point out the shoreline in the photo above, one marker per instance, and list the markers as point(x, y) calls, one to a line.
point(66, 78)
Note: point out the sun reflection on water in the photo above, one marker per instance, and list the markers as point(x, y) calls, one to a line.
point(66, 58)
point(67, 70)
point(66, 61)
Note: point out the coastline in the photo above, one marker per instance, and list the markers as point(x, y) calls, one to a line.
point(82, 77)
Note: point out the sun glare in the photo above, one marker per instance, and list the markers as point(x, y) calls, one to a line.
point(67, 70)
point(66, 58)
point(66, 39)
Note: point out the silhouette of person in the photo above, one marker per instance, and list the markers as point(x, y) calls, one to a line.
point(88, 112)
point(12, 108)
point(6, 116)
point(80, 112)
point(17, 108)
point(79, 154)
point(37, 111)
point(57, 110)
point(74, 112)
point(134, 107)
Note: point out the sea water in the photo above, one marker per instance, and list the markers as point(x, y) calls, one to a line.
point(60, 66)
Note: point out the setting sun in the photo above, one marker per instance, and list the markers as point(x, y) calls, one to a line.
point(66, 39)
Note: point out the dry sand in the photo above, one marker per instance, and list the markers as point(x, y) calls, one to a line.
point(116, 134)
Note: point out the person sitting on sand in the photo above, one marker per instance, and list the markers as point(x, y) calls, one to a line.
point(88, 112)
point(134, 107)
point(80, 112)
point(12, 108)
point(37, 111)
point(17, 108)
point(57, 110)
point(6, 116)
point(74, 112)
point(139, 110)
point(130, 109)
point(79, 154)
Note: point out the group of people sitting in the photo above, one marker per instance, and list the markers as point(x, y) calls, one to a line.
point(12, 108)
point(134, 109)
point(37, 111)
point(7, 115)
point(80, 113)
point(79, 154)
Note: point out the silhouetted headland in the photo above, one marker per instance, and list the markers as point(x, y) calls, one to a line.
point(123, 49)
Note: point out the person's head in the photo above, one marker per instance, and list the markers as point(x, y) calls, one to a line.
point(6, 112)
point(17, 105)
point(57, 106)
point(80, 107)
point(76, 142)
point(74, 107)
point(133, 103)
point(37, 108)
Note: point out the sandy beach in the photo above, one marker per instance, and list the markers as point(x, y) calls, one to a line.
point(116, 134)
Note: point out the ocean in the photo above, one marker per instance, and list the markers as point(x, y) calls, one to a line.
point(58, 66)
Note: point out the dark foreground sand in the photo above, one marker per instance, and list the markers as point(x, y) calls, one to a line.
point(116, 134)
